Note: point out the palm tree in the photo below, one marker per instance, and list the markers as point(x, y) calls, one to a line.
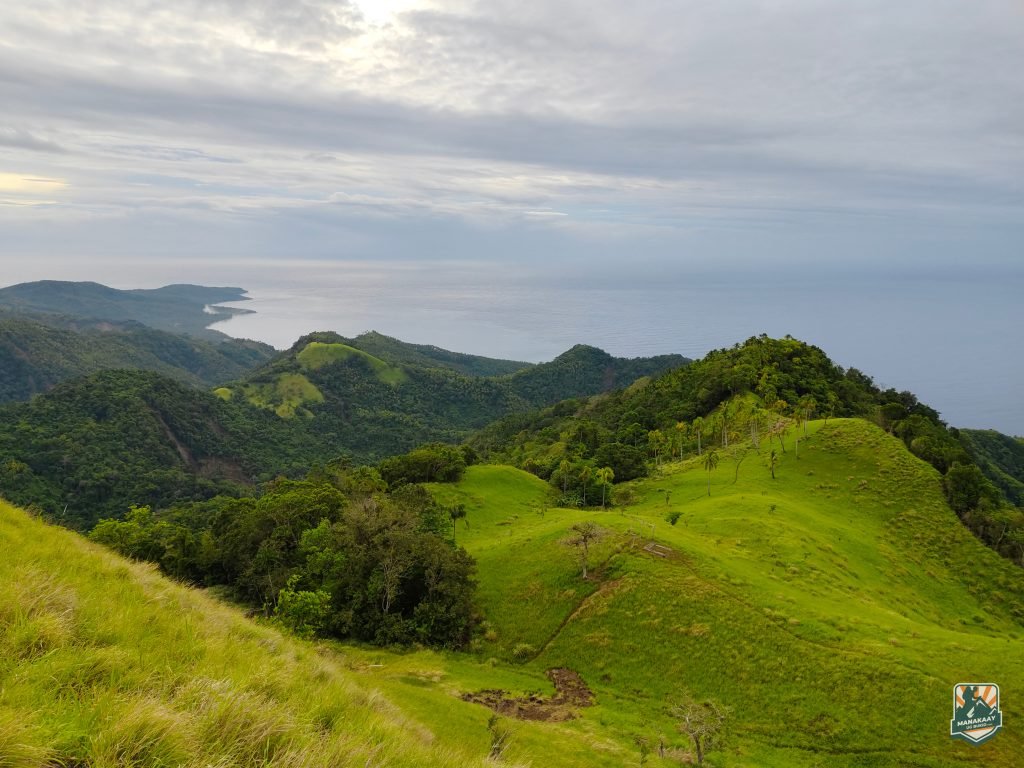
point(563, 468)
point(755, 421)
point(605, 475)
point(681, 429)
point(698, 427)
point(585, 476)
point(456, 512)
point(710, 462)
point(807, 405)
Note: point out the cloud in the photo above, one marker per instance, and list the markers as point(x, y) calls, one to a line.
point(679, 127)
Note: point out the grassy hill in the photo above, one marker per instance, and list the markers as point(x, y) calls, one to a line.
point(832, 609)
point(375, 406)
point(105, 663)
point(175, 308)
point(39, 351)
point(399, 352)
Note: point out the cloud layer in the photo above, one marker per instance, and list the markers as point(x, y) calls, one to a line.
point(696, 132)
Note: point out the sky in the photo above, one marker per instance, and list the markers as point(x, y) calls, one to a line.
point(604, 140)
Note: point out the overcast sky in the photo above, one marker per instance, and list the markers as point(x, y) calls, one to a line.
point(783, 132)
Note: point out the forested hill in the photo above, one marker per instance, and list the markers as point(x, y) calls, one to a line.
point(99, 444)
point(175, 308)
point(399, 352)
point(1000, 457)
point(94, 446)
point(377, 406)
point(753, 392)
point(39, 351)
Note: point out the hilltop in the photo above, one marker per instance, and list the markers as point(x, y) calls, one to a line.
point(814, 604)
point(186, 309)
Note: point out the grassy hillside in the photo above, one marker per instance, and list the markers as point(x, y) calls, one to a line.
point(428, 356)
point(175, 308)
point(37, 352)
point(104, 663)
point(832, 609)
point(374, 406)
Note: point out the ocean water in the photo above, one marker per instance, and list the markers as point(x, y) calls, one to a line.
point(955, 340)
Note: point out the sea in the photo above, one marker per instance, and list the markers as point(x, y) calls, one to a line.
point(953, 337)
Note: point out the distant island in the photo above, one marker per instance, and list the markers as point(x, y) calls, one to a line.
point(181, 308)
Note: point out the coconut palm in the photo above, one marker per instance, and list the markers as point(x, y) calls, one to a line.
point(698, 428)
point(605, 475)
point(710, 463)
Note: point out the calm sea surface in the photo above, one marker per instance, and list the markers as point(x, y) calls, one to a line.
point(956, 341)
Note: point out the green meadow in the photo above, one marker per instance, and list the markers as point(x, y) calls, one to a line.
point(830, 609)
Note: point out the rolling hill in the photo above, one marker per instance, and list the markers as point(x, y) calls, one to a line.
point(830, 609)
point(93, 446)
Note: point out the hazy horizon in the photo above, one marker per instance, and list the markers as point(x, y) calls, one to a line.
point(930, 334)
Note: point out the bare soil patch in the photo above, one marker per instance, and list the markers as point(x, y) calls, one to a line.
point(571, 693)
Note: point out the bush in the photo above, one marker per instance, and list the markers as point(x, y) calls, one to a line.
point(301, 612)
point(523, 651)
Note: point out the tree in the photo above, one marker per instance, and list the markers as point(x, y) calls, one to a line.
point(586, 475)
point(807, 405)
point(605, 475)
point(563, 469)
point(304, 613)
point(698, 428)
point(755, 425)
point(704, 722)
point(583, 535)
point(456, 512)
point(773, 459)
point(710, 463)
point(656, 444)
point(681, 429)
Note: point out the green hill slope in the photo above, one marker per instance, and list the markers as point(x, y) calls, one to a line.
point(105, 663)
point(832, 609)
point(38, 352)
point(399, 352)
point(374, 406)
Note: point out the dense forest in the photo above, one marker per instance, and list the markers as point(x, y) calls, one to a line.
point(93, 446)
point(38, 351)
point(342, 552)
